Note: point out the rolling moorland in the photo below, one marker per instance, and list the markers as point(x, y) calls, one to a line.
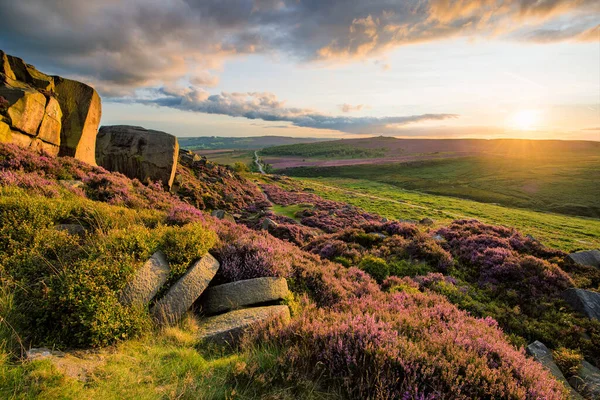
point(410, 301)
point(546, 176)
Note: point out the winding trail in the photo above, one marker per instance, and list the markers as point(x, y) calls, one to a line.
point(258, 164)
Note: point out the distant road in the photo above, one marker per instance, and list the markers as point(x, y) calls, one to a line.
point(258, 164)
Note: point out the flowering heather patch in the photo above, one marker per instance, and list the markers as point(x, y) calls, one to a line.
point(503, 259)
point(182, 214)
point(211, 186)
point(33, 181)
point(410, 345)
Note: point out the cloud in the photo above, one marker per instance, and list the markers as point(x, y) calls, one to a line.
point(267, 107)
point(123, 45)
point(350, 108)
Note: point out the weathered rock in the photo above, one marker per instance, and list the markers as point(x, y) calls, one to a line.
point(81, 111)
point(426, 221)
point(584, 301)
point(268, 223)
point(186, 290)
point(227, 328)
point(590, 258)
point(72, 229)
point(587, 381)
point(71, 183)
point(17, 73)
point(50, 128)
point(188, 156)
point(220, 214)
point(138, 153)
point(147, 281)
point(26, 108)
point(234, 295)
point(543, 355)
point(42, 353)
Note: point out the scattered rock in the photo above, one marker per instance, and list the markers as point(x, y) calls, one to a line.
point(42, 353)
point(220, 214)
point(584, 301)
point(544, 356)
point(72, 229)
point(186, 290)
point(138, 153)
point(379, 235)
point(188, 157)
point(71, 183)
point(234, 295)
point(426, 221)
point(147, 281)
point(268, 224)
point(590, 258)
point(587, 381)
point(82, 109)
point(438, 238)
point(227, 328)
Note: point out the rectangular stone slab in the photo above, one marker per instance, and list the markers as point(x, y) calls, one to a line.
point(147, 281)
point(227, 328)
point(234, 295)
point(180, 297)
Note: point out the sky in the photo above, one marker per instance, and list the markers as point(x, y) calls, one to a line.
point(325, 68)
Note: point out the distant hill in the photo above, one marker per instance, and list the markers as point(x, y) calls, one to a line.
point(389, 147)
point(245, 143)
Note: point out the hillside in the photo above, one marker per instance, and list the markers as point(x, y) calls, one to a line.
point(132, 268)
point(120, 211)
point(240, 143)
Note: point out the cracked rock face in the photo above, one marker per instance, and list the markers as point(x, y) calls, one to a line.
point(47, 113)
point(138, 153)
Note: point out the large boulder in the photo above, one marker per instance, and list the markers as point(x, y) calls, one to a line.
point(587, 381)
point(234, 295)
point(182, 295)
point(584, 301)
point(590, 258)
point(82, 110)
point(147, 281)
point(138, 153)
point(543, 355)
point(47, 113)
point(227, 328)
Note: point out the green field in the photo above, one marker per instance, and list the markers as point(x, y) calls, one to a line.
point(230, 157)
point(558, 231)
point(567, 185)
point(325, 150)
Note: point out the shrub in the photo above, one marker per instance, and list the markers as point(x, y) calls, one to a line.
point(183, 245)
point(376, 267)
point(569, 361)
point(408, 268)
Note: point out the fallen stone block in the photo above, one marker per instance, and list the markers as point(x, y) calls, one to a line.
point(138, 153)
point(584, 301)
point(227, 328)
point(590, 258)
point(543, 355)
point(587, 381)
point(147, 281)
point(182, 295)
point(234, 295)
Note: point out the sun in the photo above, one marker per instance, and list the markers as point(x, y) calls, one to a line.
point(524, 120)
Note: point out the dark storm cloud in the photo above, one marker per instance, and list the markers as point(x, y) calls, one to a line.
point(128, 44)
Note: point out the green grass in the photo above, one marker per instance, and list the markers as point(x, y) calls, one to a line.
point(162, 365)
point(324, 150)
point(289, 211)
point(231, 157)
point(566, 185)
point(555, 230)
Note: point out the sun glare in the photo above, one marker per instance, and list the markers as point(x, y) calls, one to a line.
point(525, 120)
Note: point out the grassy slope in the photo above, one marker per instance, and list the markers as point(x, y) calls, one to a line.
point(325, 150)
point(566, 185)
point(559, 231)
point(162, 365)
